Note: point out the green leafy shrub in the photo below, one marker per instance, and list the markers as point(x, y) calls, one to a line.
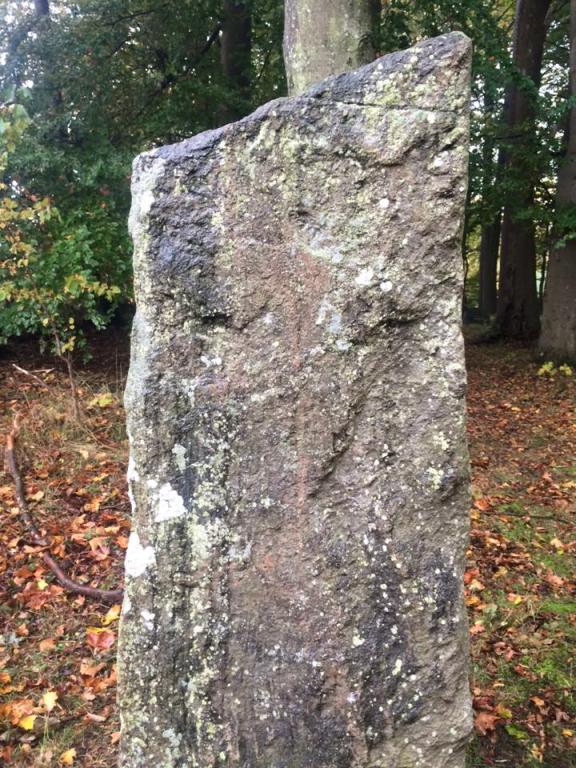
point(58, 272)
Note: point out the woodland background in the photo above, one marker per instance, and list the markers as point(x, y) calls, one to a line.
point(84, 87)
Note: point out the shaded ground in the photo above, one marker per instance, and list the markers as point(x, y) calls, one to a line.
point(520, 579)
point(57, 674)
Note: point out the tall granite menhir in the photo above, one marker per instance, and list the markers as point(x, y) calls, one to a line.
point(296, 415)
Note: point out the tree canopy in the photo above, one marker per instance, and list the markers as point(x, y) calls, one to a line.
point(87, 85)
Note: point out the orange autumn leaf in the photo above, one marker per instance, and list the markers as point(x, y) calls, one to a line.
point(17, 709)
point(100, 638)
point(47, 645)
point(90, 670)
point(92, 506)
point(485, 722)
point(67, 758)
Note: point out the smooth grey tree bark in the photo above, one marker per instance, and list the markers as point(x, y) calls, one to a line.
point(558, 336)
point(326, 37)
point(490, 236)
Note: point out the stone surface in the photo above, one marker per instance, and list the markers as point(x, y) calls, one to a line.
point(296, 414)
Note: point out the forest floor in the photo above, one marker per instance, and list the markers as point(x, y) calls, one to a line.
point(57, 649)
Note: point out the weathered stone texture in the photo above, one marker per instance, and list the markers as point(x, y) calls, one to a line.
point(296, 413)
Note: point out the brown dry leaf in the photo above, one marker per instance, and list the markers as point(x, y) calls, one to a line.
point(90, 670)
point(99, 638)
point(47, 645)
point(513, 598)
point(92, 506)
point(91, 716)
point(99, 547)
point(485, 722)
point(553, 579)
point(17, 709)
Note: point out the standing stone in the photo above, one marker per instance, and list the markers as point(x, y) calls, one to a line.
point(296, 412)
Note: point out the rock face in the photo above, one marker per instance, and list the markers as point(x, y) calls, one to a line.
point(296, 414)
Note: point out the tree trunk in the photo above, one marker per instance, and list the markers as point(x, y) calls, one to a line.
point(518, 315)
point(490, 238)
point(236, 48)
point(42, 7)
point(558, 337)
point(326, 37)
point(489, 247)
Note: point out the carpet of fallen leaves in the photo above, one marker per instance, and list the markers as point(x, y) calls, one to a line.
point(520, 587)
point(57, 650)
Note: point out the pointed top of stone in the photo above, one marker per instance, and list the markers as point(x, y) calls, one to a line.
point(408, 79)
point(432, 75)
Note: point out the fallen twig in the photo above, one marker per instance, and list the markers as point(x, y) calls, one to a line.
point(529, 515)
point(105, 595)
point(35, 378)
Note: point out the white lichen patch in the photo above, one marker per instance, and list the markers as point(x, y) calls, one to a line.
point(436, 475)
point(147, 619)
point(179, 452)
point(365, 276)
point(440, 440)
point(358, 640)
point(170, 504)
point(132, 473)
point(172, 737)
point(143, 195)
point(138, 558)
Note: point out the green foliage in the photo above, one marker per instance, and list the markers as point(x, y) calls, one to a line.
point(99, 81)
point(57, 271)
